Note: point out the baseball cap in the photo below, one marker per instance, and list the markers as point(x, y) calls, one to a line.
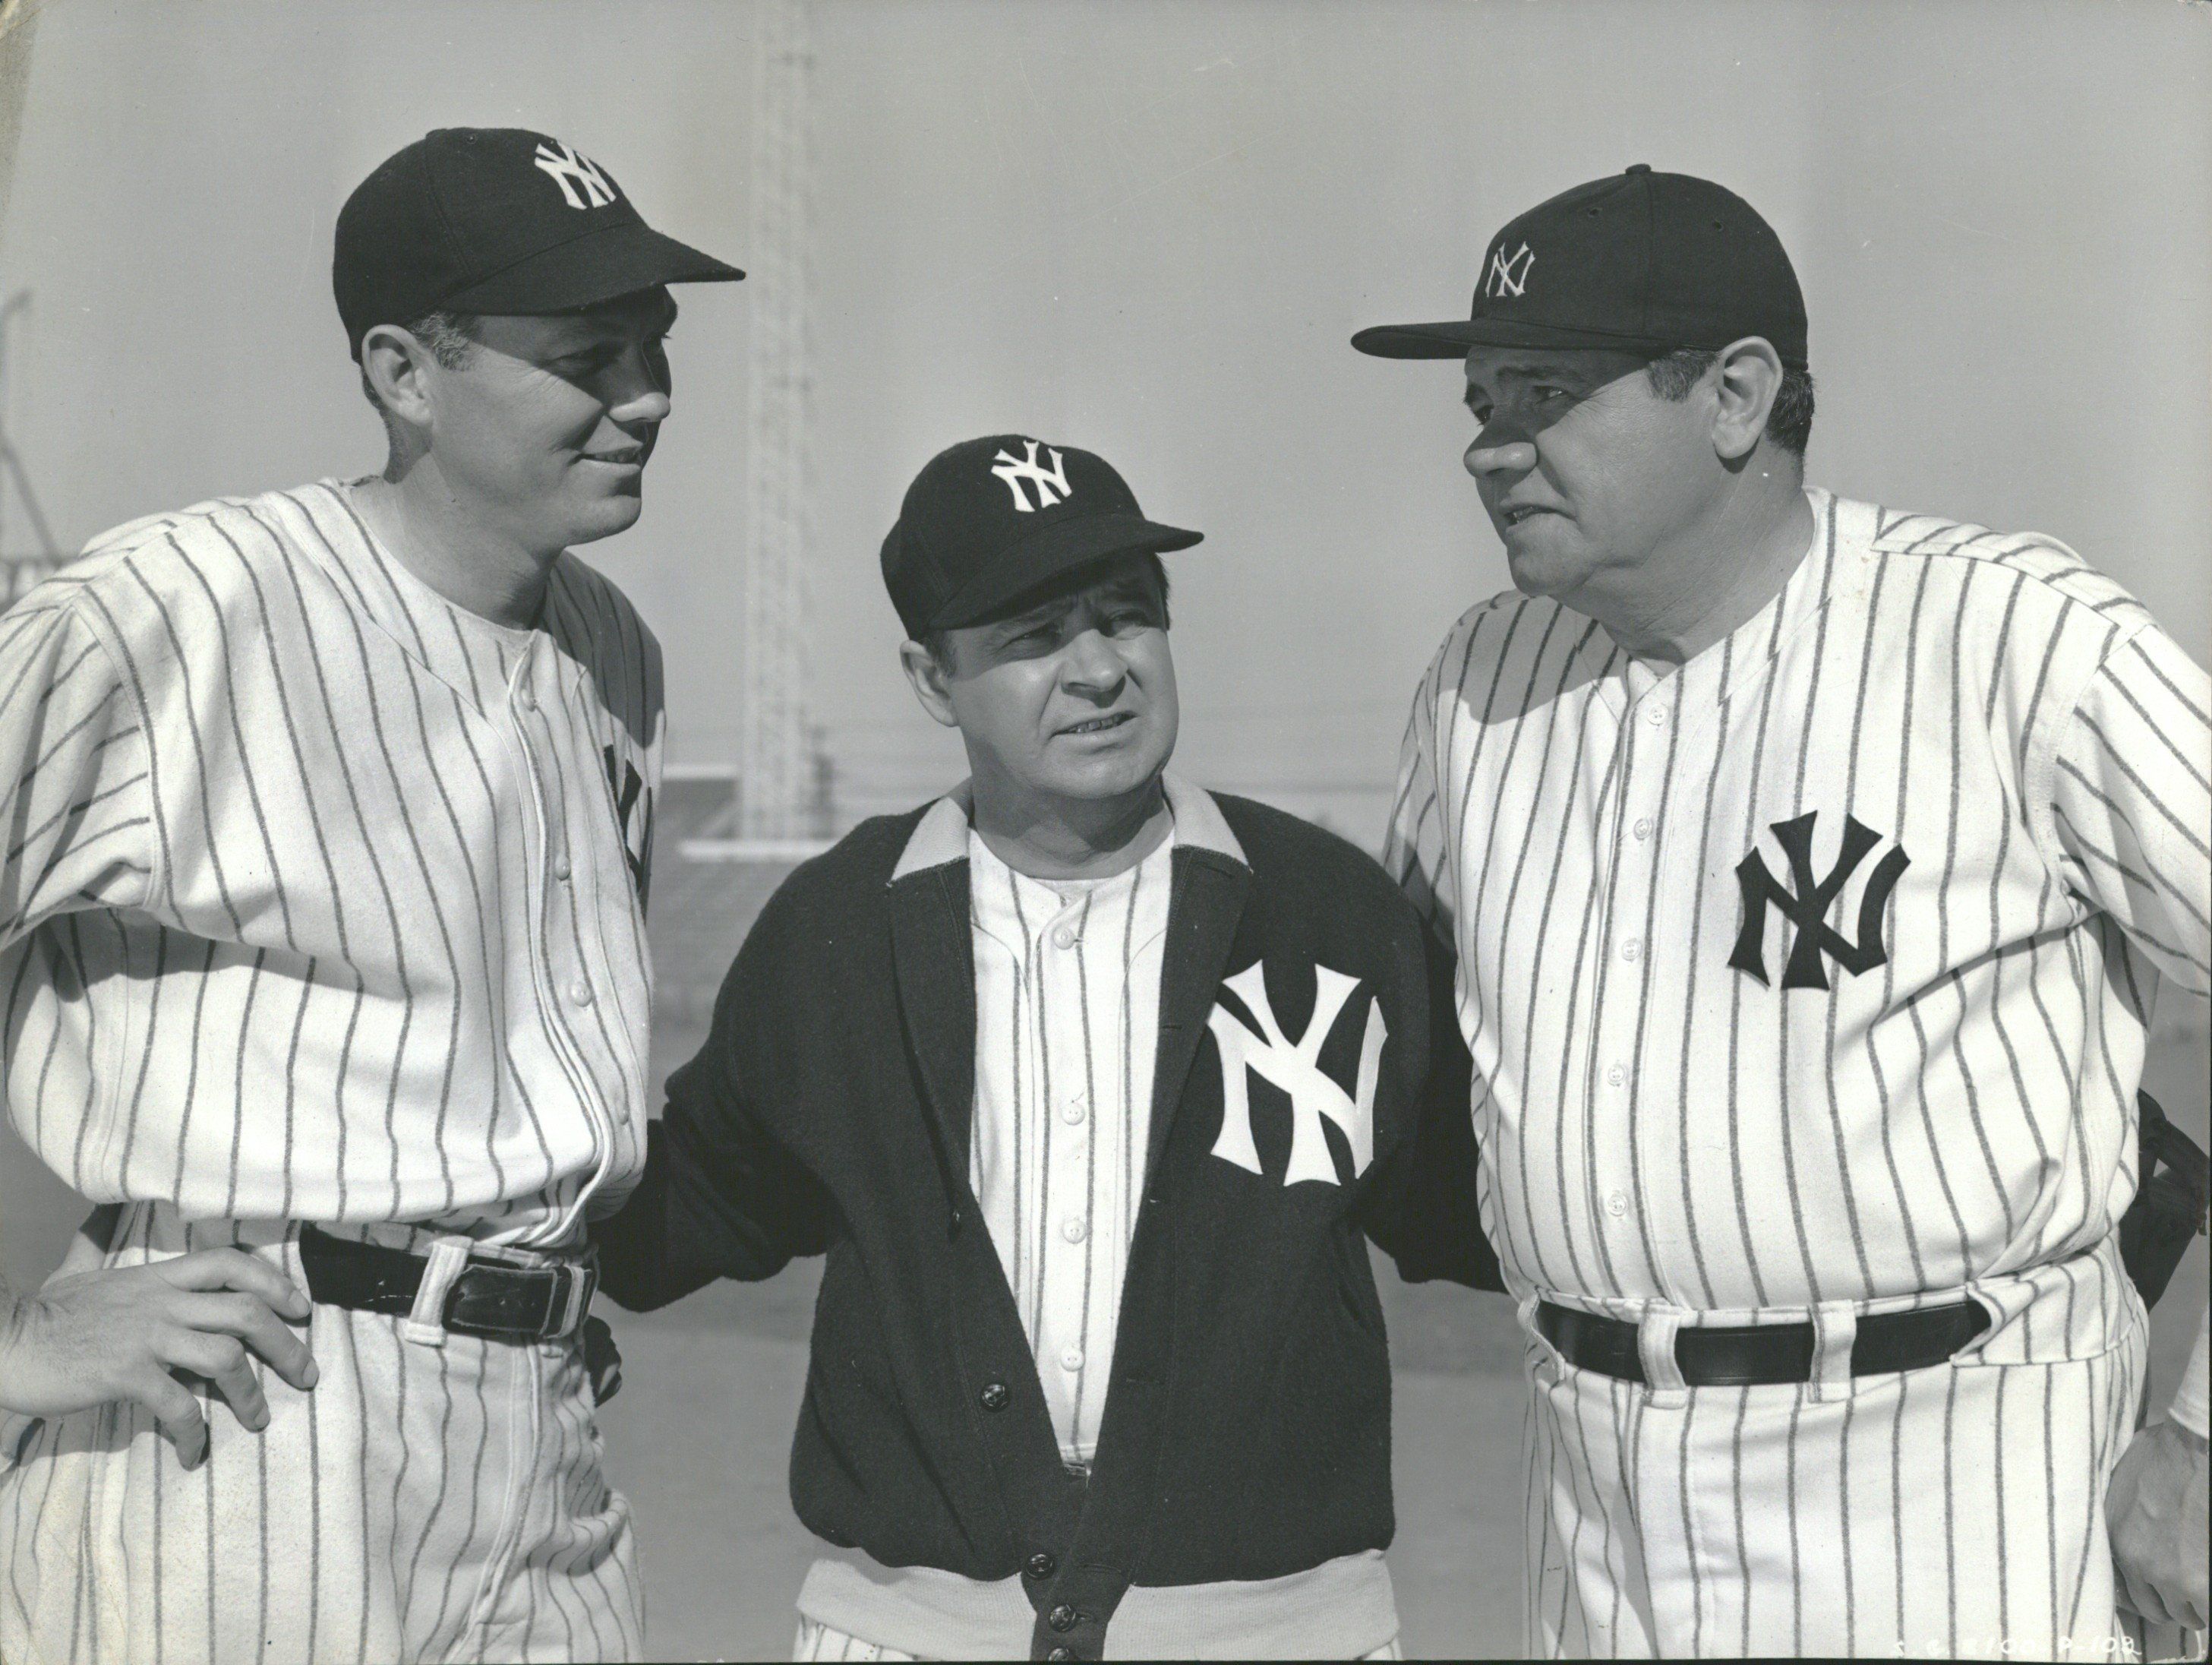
point(990, 521)
point(495, 220)
point(1650, 262)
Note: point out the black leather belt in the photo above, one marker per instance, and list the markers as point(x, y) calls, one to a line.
point(490, 1298)
point(1754, 1355)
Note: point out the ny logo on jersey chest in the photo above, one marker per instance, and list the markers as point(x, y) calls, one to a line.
point(634, 815)
point(1295, 1067)
point(1805, 905)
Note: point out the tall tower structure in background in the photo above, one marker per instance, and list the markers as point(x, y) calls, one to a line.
point(778, 789)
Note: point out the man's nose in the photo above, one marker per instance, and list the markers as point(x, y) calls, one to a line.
point(1092, 663)
point(1500, 448)
point(640, 392)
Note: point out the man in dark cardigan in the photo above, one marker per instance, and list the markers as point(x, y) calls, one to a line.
point(1090, 1085)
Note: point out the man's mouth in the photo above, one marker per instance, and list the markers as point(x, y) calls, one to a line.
point(1099, 725)
point(628, 457)
point(1517, 513)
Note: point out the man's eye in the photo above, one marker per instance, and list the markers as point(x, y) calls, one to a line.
point(1479, 413)
point(1549, 393)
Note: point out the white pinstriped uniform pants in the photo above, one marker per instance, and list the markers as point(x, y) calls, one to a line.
point(1957, 1511)
point(818, 1641)
point(423, 1503)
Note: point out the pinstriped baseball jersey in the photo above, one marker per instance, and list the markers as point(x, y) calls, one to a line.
point(1067, 999)
point(1821, 968)
point(322, 898)
point(1812, 980)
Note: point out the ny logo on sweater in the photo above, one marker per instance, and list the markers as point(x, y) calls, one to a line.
point(1807, 908)
point(1295, 1067)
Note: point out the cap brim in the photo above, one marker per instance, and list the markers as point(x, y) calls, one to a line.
point(1050, 555)
point(620, 260)
point(1452, 339)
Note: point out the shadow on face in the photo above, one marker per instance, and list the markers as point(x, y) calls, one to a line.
point(1071, 698)
point(545, 428)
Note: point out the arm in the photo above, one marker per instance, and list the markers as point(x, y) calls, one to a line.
point(2132, 808)
point(1422, 1209)
point(75, 801)
point(721, 1196)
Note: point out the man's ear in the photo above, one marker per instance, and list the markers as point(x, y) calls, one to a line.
point(1746, 377)
point(929, 682)
point(396, 367)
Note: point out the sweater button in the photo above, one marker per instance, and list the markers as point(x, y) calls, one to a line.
point(1062, 1618)
point(1043, 1565)
point(1061, 1653)
point(994, 1396)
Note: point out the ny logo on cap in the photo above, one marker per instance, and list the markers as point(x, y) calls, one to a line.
point(1051, 486)
point(1508, 276)
point(569, 171)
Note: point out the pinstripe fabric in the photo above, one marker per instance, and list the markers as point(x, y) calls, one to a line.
point(323, 900)
point(421, 1503)
point(815, 1641)
point(1672, 1139)
point(1068, 997)
point(316, 904)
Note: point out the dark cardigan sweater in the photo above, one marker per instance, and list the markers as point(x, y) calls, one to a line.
point(1247, 1429)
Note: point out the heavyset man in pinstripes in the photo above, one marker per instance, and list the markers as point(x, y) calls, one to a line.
point(322, 946)
point(1811, 870)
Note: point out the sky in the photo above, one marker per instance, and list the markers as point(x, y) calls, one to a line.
point(1148, 228)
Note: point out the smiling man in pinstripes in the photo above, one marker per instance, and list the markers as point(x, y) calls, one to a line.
point(321, 931)
point(1811, 870)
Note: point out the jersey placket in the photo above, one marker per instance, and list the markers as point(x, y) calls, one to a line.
point(566, 989)
point(1067, 1154)
point(1626, 830)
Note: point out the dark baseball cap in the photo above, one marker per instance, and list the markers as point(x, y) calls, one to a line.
point(989, 522)
point(495, 220)
point(1649, 262)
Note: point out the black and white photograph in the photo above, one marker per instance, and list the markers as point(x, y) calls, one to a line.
point(1104, 829)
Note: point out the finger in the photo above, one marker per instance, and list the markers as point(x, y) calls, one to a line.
point(249, 1319)
point(2143, 1596)
point(233, 1269)
point(224, 1361)
point(177, 1411)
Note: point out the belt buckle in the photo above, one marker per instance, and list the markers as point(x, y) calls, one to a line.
point(583, 1282)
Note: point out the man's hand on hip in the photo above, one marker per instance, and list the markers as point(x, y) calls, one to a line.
point(2156, 1510)
point(131, 1332)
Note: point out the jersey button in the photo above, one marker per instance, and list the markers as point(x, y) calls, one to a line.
point(561, 869)
point(1064, 936)
point(1654, 715)
point(1617, 1204)
point(1062, 1618)
point(1071, 1359)
point(1043, 1565)
point(1072, 1113)
point(1061, 1653)
point(1073, 1229)
point(581, 992)
point(1631, 950)
point(1643, 828)
point(1617, 1076)
point(994, 1396)
point(526, 698)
